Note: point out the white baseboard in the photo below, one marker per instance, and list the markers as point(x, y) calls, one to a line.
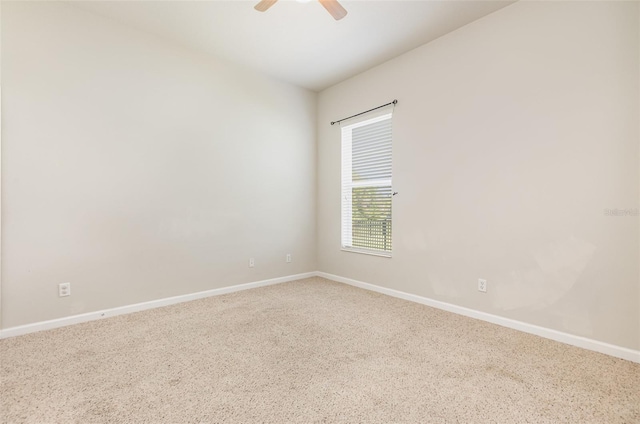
point(91, 316)
point(583, 342)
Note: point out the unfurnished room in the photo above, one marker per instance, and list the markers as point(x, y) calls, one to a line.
point(320, 211)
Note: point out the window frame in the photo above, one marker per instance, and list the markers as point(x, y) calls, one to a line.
point(346, 205)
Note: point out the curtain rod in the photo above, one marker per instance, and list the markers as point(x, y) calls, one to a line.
point(361, 113)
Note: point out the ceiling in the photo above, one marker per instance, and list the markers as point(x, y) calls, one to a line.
point(299, 43)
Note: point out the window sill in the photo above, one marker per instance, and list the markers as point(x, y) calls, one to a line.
point(367, 252)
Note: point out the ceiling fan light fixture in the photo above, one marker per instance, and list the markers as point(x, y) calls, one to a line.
point(334, 8)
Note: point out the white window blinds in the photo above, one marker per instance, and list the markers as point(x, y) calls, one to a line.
point(366, 186)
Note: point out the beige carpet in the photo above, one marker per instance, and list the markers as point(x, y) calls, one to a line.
point(307, 351)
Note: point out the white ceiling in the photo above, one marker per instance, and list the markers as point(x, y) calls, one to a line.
point(299, 43)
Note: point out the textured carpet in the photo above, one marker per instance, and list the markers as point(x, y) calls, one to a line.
point(307, 351)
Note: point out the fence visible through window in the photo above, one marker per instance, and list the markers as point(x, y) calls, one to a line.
point(369, 234)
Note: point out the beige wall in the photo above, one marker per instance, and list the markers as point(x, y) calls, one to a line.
point(511, 137)
point(136, 170)
point(0, 165)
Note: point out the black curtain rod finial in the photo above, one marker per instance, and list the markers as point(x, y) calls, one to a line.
point(394, 102)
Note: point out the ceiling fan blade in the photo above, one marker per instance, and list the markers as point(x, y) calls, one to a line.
point(264, 5)
point(334, 8)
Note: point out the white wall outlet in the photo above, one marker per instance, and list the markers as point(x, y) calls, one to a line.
point(64, 289)
point(252, 262)
point(482, 285)
point(288, 257)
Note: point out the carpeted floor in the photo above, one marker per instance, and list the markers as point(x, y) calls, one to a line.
point(307, 351)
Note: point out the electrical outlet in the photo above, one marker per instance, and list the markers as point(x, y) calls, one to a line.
point(64, 289)
point(252, 262)
point(288, 257)
point(482, 285)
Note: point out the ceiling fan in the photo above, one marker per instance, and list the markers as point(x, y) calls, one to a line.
point(333, 7)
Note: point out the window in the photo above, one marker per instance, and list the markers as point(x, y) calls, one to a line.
point(366, 186)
